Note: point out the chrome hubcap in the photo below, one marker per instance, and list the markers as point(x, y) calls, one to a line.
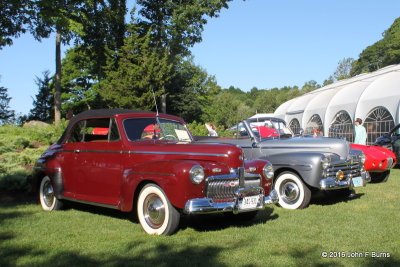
point(154, 211)
point(290, 192)
point(48, 194)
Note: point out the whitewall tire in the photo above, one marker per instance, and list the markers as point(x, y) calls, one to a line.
point(155, 213)
point(48, 200)
point(292, 192)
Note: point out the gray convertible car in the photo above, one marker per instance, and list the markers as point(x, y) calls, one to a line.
point(302, 166)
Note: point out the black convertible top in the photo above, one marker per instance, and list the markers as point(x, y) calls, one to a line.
point(93, 113)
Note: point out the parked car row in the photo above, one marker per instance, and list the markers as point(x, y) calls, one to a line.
point(150, 164)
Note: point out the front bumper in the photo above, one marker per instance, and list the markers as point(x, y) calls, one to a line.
point(333, 184)
point(207, 205)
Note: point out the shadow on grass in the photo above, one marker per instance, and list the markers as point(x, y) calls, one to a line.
point(216, 222)
point(206, 222)
point(9, 215)
point(138, 255)
point(326, 199)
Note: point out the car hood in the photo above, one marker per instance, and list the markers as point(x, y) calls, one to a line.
point(228, 154)
point(339, 147)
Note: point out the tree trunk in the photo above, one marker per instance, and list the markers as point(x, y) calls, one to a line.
point(164, 101)
point(57, 93)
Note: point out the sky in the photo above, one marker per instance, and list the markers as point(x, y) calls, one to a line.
point(254, 43)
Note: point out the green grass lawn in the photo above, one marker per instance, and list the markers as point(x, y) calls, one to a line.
point(89, 236)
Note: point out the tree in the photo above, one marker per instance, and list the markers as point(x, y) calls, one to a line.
point(343, 69)
point(381, 54)
point(83, 20)
point(134, 73)
point(79, 81)
point(309, 86)
point(44, 100)
point(6, 114)
point(226, 110)
point(14, 19)
point(175, 26)
point(194, 91)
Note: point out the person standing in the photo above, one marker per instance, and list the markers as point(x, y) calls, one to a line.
point(212, 130)
point(360, 133)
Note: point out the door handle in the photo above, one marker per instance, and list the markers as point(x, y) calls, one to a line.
point(77, 151)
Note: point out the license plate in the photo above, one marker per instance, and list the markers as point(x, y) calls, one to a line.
point(249, 202)
point(357, 181)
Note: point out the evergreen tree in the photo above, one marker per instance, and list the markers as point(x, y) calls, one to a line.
point(6, 114)
point(134, 73)
point(43, 103)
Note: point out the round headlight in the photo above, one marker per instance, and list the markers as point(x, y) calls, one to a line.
point(268, 171)
point(325, 163)
point(196, 174)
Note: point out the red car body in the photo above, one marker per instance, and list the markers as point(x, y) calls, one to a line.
point(111, 167)
point(378, 161)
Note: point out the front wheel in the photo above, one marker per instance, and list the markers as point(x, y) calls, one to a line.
point(155, 212)
point(292, 192)
point(47, 198)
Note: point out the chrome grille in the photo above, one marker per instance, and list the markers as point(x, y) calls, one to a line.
point(347, 168)
point(223, 187)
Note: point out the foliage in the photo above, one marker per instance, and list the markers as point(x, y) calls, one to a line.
point(226, 110)
point(134, 73)
point(44, 100)
point(6, 114)
point(15, 15)
point(343, 69)
point(191, 91)
point(382, 53)
point(19, 149)
point(79, 81)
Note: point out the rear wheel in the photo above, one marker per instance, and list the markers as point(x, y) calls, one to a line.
point(379, 177)
point(155, 213)
point(292, 192)
point(47, 198)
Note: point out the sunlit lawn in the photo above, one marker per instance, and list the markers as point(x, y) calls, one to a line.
point(87, 236)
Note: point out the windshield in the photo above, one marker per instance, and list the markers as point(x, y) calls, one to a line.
point(270, 129)
point(156, 129)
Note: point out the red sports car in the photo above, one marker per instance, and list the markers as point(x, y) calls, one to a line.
point(378, 161)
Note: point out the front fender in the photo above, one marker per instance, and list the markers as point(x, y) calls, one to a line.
point(307, 165)
point(171, 175)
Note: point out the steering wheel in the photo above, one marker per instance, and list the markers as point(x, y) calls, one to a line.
point(168, 137)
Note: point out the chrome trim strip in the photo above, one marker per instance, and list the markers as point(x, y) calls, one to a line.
point(150, 152)
point(178, 153)
point(292, 148)
point(152, 173)
point(292, 165)
point(90, 203)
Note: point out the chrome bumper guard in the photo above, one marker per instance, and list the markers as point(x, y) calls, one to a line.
point(207, 205)
point(333, 184)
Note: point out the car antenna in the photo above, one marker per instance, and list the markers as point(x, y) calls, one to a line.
point(155, 102)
